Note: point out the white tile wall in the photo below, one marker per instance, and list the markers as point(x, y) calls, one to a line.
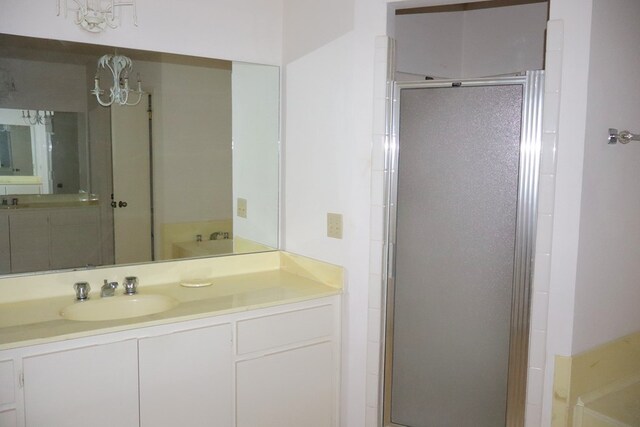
point(371, 416)
point(533, 415)
point(379, 174)
point(375, 253)
point(375, 291)
point(537, 351)
point(548, 155)
point(546, 193)
point(374, 325)
point(542, 272)
point(534, 383)
point(377, 158)
point(540, 301)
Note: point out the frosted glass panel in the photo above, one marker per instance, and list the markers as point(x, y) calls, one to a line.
point(456, 220)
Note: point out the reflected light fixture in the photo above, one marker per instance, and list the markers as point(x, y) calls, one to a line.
point(96, 15)
point(38, 117)
point(7, 84)
point(119, 93)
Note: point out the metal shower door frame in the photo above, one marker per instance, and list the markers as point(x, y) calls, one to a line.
point(526, 217)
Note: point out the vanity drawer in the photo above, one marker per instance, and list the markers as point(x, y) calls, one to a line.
point(283, 329)
point(7, 383)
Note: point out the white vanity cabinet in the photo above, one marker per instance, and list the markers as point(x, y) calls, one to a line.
point(5, 247)
point(186, 378)
point(29, 234)
point(45, 239)
point(8, 416)
point(274, 366)
point(90, 386)
point(75, 237)
point(286, 371)
point(288, 388)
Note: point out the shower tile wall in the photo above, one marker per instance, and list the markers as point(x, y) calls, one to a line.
point(539, 308)
point(379, 174)
point(546, 194)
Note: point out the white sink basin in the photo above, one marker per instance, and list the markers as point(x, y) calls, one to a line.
point(118, 307)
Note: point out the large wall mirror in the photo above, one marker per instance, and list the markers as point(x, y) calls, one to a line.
point(191, 170)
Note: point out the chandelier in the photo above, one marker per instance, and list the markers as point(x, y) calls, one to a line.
point(119, 93)
point(96, 15)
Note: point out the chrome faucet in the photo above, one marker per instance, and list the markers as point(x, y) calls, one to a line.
point(219, 235)
point(82, 290)
point(130, 285)
point(108, 289)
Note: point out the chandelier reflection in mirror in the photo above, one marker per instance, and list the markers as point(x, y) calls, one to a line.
point(120, 91)
point(96, 15)
point(38, 117)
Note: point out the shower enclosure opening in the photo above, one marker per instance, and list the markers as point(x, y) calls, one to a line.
point(464, 160)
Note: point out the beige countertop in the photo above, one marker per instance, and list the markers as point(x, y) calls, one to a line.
point(49, 205)
point(37, 320)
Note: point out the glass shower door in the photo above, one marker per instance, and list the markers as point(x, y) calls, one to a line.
point(455, 244)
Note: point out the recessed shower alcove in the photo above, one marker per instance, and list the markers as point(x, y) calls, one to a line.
point(463, 158)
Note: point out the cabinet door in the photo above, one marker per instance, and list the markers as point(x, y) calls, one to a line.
point(8, 418)
point(5, 248)
point(288, 389)
point(29, 233)
point(186, 378)
point(91, 386)
point(75, 237)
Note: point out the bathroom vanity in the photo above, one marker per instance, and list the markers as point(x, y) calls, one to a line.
point(260, 346)
point(49, 236)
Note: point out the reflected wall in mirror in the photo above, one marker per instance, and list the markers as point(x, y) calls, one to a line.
point(192, 170)
point(47, 150)
point(16, 153)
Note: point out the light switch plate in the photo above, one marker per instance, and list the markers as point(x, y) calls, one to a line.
point(241, 209)
point(334, 225)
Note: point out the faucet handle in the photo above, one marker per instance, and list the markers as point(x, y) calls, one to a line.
point(130, 285)
point(82, 290)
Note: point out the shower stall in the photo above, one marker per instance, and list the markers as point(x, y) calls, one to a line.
point(462, 198)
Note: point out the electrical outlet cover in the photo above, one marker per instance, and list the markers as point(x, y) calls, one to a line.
point(334, 225)
point(241, 209)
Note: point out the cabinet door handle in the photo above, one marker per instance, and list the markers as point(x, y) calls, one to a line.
point(122, 204)
point(114, 204)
